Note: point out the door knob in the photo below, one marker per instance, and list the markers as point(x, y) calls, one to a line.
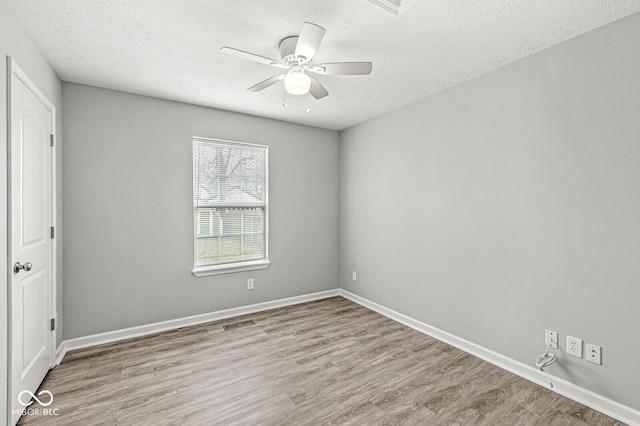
point(17, 267)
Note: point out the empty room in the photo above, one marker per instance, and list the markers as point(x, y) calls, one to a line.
point(345, 212)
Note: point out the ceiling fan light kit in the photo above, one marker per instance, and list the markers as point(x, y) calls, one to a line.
point(296, 54)
point(297, 82)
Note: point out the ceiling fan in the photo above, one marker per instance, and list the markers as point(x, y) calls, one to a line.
point(297, 52)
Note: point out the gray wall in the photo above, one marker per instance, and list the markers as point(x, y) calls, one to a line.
point(128, 210)
point(17, 43)
point(510, 204)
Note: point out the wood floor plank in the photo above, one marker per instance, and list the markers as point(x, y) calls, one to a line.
point(328, 362)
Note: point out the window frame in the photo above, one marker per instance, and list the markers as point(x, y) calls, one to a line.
point(239, 266)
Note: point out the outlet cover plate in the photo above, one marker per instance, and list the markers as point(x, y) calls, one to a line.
point(551, 336)
point(250, 284)
point(593, 353)
point(574, 346)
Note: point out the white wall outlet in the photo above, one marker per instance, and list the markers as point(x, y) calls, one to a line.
point(354, 276)
point(250, 284)
point(593, 353)
point(574, 346)
point(551, 336)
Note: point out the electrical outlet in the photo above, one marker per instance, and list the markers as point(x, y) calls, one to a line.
point(353, 276)
point(551, 337)
point(250, 284)
point(574, 346)
point(593, 353)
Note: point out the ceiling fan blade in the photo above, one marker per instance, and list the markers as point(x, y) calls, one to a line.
point(251, 57)
point(266, 83)
point(308, 41)
point(317, 90)
point(343, 68)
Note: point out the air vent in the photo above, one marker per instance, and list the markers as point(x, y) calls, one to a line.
point(238, 325)
point(397, 7)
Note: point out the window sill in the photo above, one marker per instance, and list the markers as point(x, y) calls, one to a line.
point(231, 267)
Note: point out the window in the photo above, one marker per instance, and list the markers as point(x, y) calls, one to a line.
point(229, 206)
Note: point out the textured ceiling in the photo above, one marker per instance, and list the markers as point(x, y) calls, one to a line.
point(170, 49)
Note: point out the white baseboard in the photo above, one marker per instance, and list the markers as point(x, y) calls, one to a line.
point(142, 330)
point(563, 387)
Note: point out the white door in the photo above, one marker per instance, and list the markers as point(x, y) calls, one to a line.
point(31, 243)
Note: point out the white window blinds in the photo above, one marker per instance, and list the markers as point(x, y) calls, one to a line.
point(230, 202)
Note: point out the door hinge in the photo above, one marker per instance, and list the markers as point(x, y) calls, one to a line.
point(53, 232)
point(53, 324)
point(51, 140)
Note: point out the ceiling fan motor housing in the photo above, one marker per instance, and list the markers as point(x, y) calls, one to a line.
point(288, 50)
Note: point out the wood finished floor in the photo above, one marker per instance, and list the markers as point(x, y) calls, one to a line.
point(328, 362)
